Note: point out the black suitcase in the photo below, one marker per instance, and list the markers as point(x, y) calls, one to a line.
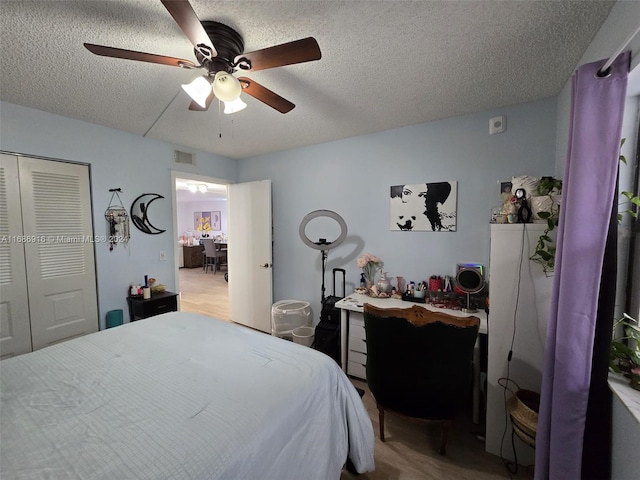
point(327, 339)
point(329, 311)
point(327, 334)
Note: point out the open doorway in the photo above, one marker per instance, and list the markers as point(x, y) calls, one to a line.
point(200, 211)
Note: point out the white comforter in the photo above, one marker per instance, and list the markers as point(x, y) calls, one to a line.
point(179, 396)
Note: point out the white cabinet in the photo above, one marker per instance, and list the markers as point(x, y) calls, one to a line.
point(357, 363)
point(520, 295)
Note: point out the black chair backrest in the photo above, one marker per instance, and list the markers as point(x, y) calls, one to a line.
point(419, 362)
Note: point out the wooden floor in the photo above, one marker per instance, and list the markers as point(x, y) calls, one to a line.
point(204, 293)
point(410, 450)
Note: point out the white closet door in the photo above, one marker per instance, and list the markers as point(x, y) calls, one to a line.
point(15, 329)
point(56, 210)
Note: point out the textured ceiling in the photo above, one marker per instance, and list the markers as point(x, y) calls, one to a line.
point(385, 64)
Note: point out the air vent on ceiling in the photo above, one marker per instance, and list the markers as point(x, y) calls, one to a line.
point(184, 158)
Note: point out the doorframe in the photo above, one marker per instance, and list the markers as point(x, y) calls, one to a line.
point(175, 174)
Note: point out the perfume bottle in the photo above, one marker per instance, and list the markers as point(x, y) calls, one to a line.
point(363, 282)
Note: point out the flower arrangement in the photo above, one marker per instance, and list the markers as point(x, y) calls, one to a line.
point(369, 263)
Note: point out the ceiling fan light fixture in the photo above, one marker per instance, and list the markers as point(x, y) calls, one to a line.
point(234, 106)
point(226, 87)
point(199, 89)
point(193, 188)
point(202, 188)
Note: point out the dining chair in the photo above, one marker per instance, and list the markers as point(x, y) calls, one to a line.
point(212, 254)
point(221, 256)
point(419, 363)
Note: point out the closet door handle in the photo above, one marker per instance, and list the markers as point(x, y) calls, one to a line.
point(266, 265)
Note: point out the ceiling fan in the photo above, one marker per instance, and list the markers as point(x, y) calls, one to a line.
point(219, 50)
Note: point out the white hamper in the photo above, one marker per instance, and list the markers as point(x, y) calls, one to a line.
point(287, 315)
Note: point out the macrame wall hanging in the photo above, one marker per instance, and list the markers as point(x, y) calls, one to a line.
point(117, 220)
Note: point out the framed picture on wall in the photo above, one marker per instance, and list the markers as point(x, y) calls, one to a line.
point(424, 207)
point(202, 221)
point(216, 223)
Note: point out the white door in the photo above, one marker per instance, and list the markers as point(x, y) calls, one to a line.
point(15, 330)
point(56, 211)
point(250, 254)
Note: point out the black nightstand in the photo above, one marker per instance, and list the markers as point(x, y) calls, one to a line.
point(157, 304)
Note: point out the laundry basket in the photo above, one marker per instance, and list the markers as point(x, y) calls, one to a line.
point(287, 315)
point(304, 335)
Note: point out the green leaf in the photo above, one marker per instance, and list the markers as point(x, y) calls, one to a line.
point(544, 255)
point(550, 224)
point(546, 238)
point(545, 215)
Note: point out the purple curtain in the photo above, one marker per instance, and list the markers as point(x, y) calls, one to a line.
point(588, 193)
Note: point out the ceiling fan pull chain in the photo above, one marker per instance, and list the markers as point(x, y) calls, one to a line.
point(219, 120)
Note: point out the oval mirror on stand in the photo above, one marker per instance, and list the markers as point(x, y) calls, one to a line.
point(470, 281)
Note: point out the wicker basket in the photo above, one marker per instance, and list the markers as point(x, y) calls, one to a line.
point(523, 407)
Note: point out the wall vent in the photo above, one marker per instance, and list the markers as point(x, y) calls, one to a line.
point(184, 158)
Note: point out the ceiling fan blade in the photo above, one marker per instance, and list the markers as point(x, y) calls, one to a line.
point(139, 56)
point(265, 95)
point(188, 21)
point(195, 106)
point(298, 51)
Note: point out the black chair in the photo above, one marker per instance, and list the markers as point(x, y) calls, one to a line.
point(419, 363)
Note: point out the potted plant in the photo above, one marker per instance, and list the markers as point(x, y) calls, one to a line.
point(624, 355)
point(632, 200)
point(545, 248)
point(546, 207)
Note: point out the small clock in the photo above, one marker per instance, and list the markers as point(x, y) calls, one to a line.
point(520, 194)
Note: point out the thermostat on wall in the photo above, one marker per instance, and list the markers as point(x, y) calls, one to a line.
point(497, 125)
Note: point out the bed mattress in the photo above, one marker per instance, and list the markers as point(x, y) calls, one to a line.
point(179, 396)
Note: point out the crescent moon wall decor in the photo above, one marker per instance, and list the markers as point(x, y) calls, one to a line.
point(139, 213)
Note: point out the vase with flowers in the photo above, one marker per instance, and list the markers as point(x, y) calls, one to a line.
point(369, 264)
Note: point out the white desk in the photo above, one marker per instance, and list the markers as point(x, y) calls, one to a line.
point(355, 303)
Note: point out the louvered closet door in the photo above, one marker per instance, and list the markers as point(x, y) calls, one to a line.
point(15, 330)
point(56, 211)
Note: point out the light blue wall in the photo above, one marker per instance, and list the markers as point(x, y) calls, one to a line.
point(117, 159)
point(353, 176)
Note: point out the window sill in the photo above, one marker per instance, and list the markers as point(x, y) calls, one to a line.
point(629, 397)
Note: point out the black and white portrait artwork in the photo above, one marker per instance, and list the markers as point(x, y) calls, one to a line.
point(424, 207)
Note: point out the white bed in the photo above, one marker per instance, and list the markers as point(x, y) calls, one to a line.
point(179, 396)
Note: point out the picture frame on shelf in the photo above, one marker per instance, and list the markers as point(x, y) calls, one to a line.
point(504, 188)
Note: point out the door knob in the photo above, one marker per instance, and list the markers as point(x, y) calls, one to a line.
point(266, 265)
